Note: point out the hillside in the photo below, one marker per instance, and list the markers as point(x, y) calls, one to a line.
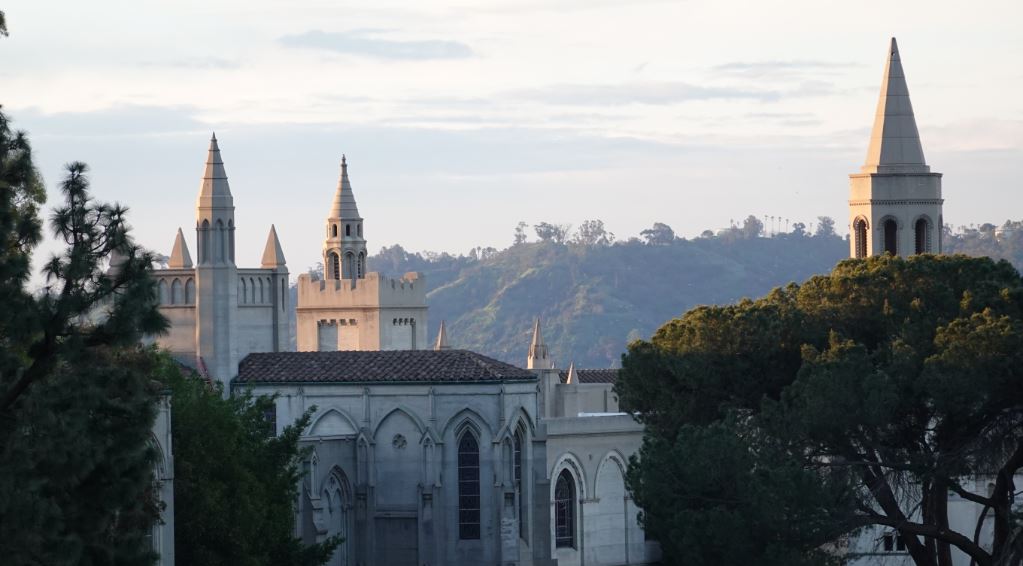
point(595, 298)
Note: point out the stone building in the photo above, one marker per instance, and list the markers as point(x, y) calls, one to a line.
point(220, 313)
point(447, 456)
point(348, 309)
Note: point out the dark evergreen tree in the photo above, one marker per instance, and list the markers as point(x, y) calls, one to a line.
point(859, 398)
point(76, 400)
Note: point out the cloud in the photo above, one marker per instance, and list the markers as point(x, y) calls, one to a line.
point(194, 63)
point(766, 68)
point(654, 93)
point(367, 43)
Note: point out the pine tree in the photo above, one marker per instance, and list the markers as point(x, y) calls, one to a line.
point(76, 400)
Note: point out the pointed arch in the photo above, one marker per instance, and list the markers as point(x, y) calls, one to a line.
point(243, 291)
point(190, 291)
point(252, 291)
point(177, 292)
point(332, 422)
point(164, 292)
point(336, 494)
point(262, 297)
point(335, 266)
point(204, 242)
point(889, 227)
point(218, 243)
point(361, 265)
point(408, 413)
point(464, 417)
point(566, 516)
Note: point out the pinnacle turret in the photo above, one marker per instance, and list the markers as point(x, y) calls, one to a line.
point(273, 254)
point(895, 141)
point(572, 377)
point(537, 358)
point(214, 179)
point(442, 338)
point(180, 258)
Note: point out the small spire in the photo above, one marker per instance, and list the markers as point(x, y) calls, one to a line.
point(895, 140)
point(343, 207)
point(537, 358)
point(572, 378)
point(442, 338)
point(180, 258)
point(273, 255)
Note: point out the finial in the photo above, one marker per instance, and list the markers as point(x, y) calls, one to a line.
point(343, 162)
point(214, 138)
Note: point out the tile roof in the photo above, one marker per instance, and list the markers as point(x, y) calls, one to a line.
point(398, 366)
point(593, 375)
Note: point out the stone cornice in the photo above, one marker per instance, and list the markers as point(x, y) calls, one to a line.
point(896, 202)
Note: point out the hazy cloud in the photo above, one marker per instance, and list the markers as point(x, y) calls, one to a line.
point(640, 93)
point(194, 63)
point(765, 68)
point(368, 43)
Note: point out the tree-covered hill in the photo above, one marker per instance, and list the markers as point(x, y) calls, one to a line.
point(595, 295)
point(595, 298)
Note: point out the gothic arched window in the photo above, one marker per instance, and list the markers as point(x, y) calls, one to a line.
point(348, 270)
point(243, 292)
point(362, 265)
point(190, 291)
point(348, 229)
point(520, 492)
point(564, 511)
point(468, 487)
point(860, 235)
point(922, 235)
point(333, 230)
point(891, 236)
point(176, 298)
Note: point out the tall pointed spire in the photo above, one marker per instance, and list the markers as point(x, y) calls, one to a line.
point(537, 358)
point(442, 338)
point(344, 206)
point(895, 141)
point(180, 258)
point(214, 178)
point(273, 255)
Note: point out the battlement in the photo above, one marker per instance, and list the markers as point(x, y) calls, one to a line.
point(375, 291)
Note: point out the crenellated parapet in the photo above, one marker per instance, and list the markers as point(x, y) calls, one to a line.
point(375, 290)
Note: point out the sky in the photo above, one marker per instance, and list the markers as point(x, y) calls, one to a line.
point(461, 118)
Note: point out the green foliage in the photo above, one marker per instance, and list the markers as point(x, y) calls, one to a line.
point(76, 402)
point(235, 481)
point(879, 388)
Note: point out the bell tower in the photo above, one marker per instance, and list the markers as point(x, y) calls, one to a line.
point(895, 200)
point(344, 248)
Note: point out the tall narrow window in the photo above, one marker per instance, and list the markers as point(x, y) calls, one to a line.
point(348, 229)
point(348, 269)
point(519, 491)
point(468, 487)
point(860, 231)
point(333, 230)
point(335, 266)
point(362, 265)
point(923, 236)
point(564, 511)
point(891, 233)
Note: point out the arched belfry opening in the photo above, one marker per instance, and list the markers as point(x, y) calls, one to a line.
point(922, 236)
point(860, 235)
point(335, 266)
point(891, 236)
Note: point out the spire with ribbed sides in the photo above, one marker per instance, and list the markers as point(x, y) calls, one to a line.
point(442, 338)
point(214, 177)
point(273, 255)
point(180, 258)
point(343, 206)
point(537, 358)
point(895, 141)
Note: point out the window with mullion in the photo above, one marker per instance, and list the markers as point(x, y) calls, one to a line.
point(564, 511)
point(468, 487)
point(519, 492)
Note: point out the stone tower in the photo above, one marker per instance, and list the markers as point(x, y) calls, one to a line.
point(895, 200)
point(344, 249)
point(216, 273)
point(348, 308)
point(219, 312)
